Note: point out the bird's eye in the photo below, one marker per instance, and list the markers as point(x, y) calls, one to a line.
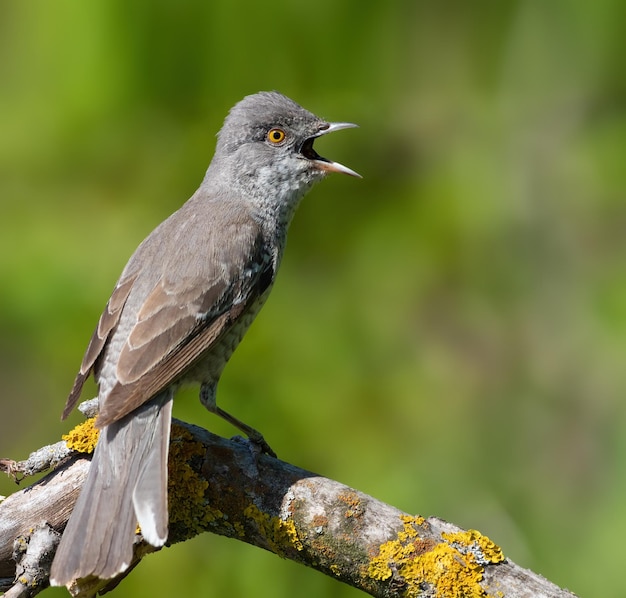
point(276, 136)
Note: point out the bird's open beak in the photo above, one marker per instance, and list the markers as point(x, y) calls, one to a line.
point(322, 163)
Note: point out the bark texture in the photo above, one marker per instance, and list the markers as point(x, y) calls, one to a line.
point(225, 487)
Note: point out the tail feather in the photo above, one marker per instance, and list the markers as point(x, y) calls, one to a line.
point(126, 485)
point(149, 499)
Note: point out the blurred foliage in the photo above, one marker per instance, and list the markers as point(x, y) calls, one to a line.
point(447, 334)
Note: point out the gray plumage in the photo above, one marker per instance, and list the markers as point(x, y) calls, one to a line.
point(181, 306)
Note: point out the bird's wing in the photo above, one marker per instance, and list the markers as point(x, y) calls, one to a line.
point(179, 321)
point(184, 313)
point(107, 323)
point(125, 398)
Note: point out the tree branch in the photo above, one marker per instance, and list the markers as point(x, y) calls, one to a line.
point(223, 486)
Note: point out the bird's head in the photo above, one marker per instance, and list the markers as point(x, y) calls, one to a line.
point(266, 147)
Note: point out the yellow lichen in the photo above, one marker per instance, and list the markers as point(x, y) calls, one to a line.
point(239, 529)
point(453, 568)
point(83, 438)
point(185, 487)
point(485, 550)
point(277, 532)
point(352, 500)
point(410, 527)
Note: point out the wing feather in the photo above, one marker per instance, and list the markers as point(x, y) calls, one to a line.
point(177, 324)
point(182, 290)
point(125, 398)
point(107, 323)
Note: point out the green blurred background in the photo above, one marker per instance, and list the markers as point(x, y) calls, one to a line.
point(446, 334)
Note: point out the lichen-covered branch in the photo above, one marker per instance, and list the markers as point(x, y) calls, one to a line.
point(225, 487)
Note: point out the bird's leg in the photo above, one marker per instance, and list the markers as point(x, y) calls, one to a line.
point(254, 435)
point(207, 397)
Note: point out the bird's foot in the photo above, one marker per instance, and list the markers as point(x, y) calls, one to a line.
point(259, 445)
point(254, 436)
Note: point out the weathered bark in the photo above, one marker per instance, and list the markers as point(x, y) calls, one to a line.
point(224, 487)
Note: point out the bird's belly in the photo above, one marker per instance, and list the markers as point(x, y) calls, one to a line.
point(209, 368)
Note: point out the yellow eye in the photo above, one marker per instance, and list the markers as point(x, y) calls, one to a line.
point(276, 136)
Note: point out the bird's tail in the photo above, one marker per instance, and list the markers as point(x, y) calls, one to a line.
point(126, 486)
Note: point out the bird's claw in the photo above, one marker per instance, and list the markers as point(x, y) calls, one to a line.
point(260, 445)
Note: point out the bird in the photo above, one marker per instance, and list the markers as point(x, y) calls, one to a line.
point(179, 309)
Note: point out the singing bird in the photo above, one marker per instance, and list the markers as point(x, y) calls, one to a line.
point(178, 311)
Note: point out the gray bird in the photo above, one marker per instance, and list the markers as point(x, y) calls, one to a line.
point(180, 308)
